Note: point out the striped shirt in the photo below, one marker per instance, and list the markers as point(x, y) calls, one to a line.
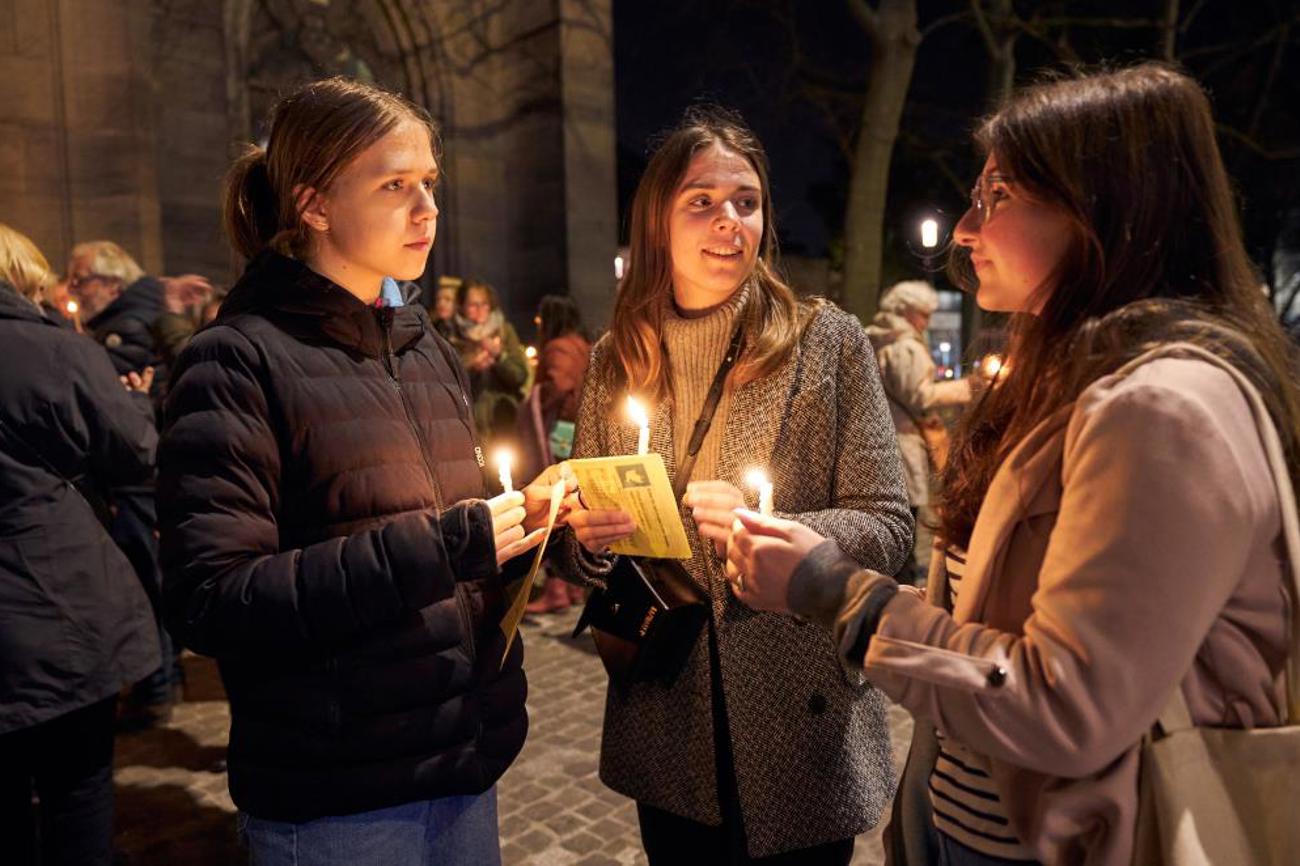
point(965, 801)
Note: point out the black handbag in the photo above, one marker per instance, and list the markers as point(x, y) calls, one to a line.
point(648, 616)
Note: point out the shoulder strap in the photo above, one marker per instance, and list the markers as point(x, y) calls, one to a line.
point(1176, 715)
point(702, 425)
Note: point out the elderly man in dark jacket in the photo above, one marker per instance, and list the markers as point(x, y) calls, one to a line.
point(134, 317)
point(75, 625)
point(322, 538)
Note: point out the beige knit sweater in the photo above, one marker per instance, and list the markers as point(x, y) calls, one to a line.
point(696, 346)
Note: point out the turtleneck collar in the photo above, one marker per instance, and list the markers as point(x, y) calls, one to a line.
point(309, 305)
point(708, 318)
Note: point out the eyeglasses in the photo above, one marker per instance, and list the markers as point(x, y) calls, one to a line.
point(982, 194)
point(79, 281)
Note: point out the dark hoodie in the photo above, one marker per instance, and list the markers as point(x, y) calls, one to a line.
point(124, 327)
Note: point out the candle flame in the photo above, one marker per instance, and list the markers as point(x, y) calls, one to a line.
point(992, 365)
point(72, 307)
point(530, 352)
point(756, 478)
point(503, 458)
point(929, 234)
point(637, 412)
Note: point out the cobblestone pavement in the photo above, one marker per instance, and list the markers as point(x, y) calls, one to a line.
point(173, 806)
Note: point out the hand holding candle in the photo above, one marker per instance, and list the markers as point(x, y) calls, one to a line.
point(758, 479)
point(504, 460)
point(713, 505)
point(639, 417)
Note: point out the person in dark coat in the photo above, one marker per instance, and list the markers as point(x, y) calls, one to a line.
point(121, 309)
point(323, 533)
point(75, 624)
point(127, 311)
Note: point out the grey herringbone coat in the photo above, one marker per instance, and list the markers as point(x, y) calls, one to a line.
point(811, 748)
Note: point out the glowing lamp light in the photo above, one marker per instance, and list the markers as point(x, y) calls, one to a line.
point(929, 234)
point(758, 479)
point(504, 460)
point(637, 413)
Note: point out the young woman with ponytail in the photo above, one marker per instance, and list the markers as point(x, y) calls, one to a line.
point(323, 531)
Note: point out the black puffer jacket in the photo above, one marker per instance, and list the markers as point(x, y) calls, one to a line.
point(75, 624)
point(311, 443)
point(124, 327)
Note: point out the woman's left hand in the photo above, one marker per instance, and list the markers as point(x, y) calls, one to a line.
point(713, 505)
point(537, 496)
point(762, 557)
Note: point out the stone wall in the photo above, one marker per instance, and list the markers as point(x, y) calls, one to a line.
point(118, 119)
point(77, 146)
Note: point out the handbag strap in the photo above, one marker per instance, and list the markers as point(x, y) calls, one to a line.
point(1176, 715)
point(705, 420)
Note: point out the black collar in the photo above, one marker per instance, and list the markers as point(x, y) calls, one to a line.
point(308, 306)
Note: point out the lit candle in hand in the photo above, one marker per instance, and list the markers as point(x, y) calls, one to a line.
point(504, 460)
point(639, 417)
point(992, 365)
point(759, 480)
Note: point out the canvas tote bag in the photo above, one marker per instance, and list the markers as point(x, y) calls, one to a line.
point(1218, 796)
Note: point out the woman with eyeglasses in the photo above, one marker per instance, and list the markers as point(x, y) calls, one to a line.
point(1110, 521)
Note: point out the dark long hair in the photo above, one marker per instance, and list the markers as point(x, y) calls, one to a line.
point(773, 318)
point(559, 315)
point(1157, 256)
point(315, 132)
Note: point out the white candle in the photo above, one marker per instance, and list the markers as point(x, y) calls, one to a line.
point(759, 480)
point(504, 460)
point(639, 417)
point(929, 234)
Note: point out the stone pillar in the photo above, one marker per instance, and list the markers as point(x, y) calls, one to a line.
point(590, 184)
point(527, 108)
point(194, 131)
point(76, 127)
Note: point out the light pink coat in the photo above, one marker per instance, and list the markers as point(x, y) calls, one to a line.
point(1129, 544)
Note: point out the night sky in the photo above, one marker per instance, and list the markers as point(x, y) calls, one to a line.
point(742, 54)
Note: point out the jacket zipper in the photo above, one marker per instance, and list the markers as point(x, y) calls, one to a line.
point(394, 374)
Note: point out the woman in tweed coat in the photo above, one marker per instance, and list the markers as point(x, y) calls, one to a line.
point(762, 750)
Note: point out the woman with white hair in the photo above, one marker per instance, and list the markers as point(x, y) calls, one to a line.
point(907, 372)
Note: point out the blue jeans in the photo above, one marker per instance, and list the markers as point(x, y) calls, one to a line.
point(449, 831)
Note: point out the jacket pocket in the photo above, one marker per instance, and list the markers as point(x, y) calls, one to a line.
point(42, 637)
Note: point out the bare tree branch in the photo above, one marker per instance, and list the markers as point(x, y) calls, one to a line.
point(1169, 30)
point(1283, 35)
point(1254, 146)
point(984, 28)
point(943, 21)
point(865, 15)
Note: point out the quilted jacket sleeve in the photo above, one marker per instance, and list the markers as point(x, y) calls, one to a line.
point(230, 590)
